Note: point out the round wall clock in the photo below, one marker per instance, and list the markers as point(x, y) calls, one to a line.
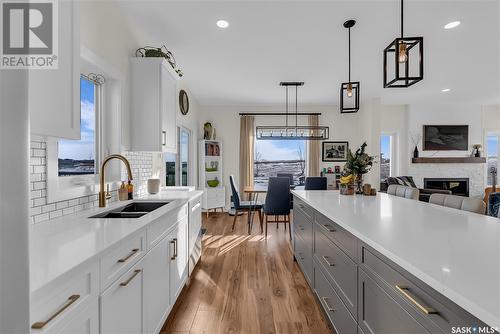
point(183, 102)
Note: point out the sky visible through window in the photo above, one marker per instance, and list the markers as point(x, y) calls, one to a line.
point(279, 156)
point(385, 157)
point(77, 157)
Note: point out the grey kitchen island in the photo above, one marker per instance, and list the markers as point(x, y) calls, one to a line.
point(385, 264)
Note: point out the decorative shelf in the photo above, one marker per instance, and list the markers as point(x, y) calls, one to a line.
point(448, 160)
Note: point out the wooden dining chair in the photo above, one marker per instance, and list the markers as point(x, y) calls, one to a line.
point(244, 206)
point(278, 202)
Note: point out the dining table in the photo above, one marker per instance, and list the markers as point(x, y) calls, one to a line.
point(253, 197)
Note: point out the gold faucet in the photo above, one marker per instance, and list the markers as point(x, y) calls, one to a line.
point(103, 196)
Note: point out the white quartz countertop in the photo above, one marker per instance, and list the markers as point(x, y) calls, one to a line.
point(60, 245)
point(455, 252)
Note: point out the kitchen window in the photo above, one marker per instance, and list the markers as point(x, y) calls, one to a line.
point(492, 153)
point(81, 157)
point(274, 157)
point(178, 166)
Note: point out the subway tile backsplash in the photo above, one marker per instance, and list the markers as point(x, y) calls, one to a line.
point(142, 170)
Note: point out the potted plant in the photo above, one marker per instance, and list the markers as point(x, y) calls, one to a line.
point(357, 165)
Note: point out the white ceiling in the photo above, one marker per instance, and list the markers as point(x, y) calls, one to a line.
point(272, 41)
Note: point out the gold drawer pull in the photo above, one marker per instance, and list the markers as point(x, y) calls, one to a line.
point(301, 228)
point(325, 258)
point(327, 304)
point(405, 291)
point(132, 253)
point(328, 228)
point(136, 272)
point(70, 301)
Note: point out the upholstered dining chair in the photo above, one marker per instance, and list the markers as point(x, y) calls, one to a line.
point(244, 206)
point(278, 202)
point(290, 177)
point(403, 191)
point(470, 204)
point(315, 183)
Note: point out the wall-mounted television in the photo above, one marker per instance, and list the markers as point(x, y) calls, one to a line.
point(446, 138)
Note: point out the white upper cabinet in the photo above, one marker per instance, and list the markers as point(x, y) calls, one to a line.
point(54, 95)
point(153, 105)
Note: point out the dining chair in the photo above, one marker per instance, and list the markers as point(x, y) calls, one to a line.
point(290, 177)
point(278, 202)
point(315, 183)
point(244, 206)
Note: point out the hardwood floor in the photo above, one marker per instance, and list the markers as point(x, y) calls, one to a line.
point(245, 284)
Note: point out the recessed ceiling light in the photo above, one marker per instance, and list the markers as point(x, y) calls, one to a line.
point(222, 24)
point(445, 90)
point(452, 25)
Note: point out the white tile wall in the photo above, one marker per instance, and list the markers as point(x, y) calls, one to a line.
point(141, 163)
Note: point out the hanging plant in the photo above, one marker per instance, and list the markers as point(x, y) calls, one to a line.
point(151, 51)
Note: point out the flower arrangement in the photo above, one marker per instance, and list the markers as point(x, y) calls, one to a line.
point(356, 166)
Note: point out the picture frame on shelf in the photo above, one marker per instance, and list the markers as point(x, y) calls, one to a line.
point(334, 151)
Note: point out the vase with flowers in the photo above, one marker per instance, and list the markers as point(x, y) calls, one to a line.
point(357, 165)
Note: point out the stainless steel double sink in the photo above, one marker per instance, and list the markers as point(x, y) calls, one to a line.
point(132, 210)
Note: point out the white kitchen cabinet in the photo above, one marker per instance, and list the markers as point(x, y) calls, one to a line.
point(178, 258)
point(156, 285)
point(54, 95)
point(194, 233)
point(122, 304)
point(84, 322)
point(153, 105)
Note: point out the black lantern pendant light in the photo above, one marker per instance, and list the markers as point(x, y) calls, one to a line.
point(349, 91)
point(403, 60)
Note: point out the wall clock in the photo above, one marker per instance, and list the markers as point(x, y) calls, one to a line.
point(183, 102)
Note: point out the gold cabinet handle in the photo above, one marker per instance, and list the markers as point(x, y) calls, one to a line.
point(327, 304)
point(136, 272)
point(325, 258)
point(132, 253)
point(328, 228)
point(173, 243)
point(405, 292)
point(301, 227)
point(69, 302)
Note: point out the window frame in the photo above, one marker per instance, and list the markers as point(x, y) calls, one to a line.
point(394, 144)
point(109, 137)
point(491, 133)
point(178, 165)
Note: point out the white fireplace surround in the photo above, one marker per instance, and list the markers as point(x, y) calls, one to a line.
point(474, 172)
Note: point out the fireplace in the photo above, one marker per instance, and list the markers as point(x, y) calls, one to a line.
point(458, 186)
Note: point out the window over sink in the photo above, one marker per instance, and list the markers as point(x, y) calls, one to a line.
point(78, 157)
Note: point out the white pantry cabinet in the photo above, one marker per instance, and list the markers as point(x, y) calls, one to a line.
point(54, 95)
point(122, 304)
point(153, 105)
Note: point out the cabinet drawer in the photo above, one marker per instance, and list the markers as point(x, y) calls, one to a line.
point(340, 269)
point(302, 226)
point(158, 229)
point(307, 211)
point(430, 308)
point(379, 313)
point(303, 254)
point(337, 234)
point(338, 314)
point(123, 256)
point(60, 301)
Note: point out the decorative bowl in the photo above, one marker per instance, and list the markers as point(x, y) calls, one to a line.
point(213, 183)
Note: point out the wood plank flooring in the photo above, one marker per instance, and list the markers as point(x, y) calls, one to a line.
point(245, 284)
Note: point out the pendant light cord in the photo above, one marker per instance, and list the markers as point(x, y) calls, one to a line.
point(286, 104)
point(402, 18)
point(349, 55)
point(296, 113)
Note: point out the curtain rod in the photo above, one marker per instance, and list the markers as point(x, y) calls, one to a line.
point(279, 114)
